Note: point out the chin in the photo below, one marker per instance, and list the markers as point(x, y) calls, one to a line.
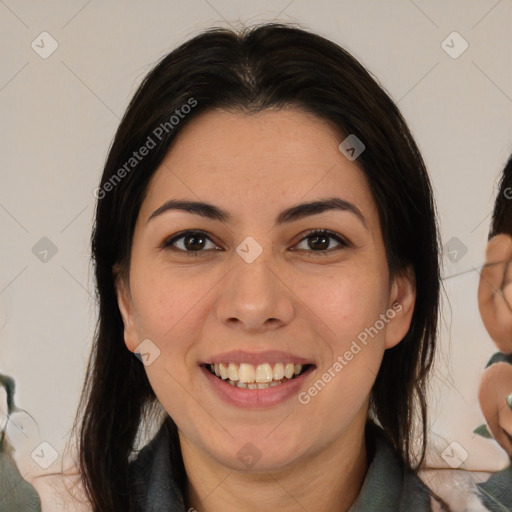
point(260, 452)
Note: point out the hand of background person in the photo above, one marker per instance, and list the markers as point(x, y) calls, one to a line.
point(495, 292)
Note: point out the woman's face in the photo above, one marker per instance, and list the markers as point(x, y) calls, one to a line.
point(253, 291)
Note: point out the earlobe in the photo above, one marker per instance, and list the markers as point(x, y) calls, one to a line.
point(401, 307)
point(124, 303)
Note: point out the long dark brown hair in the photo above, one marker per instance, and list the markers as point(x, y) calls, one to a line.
point(268, 66)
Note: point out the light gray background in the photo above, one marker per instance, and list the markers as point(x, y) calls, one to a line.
point(59, 115)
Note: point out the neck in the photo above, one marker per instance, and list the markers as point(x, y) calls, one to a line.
point(329, 480)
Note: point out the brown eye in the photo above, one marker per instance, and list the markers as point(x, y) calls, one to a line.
point(190, 241)
point(320, 240)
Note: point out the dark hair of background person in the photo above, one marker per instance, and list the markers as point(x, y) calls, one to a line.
point(270, 66)
point(502, 215)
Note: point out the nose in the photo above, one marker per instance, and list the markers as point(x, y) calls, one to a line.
point(256, 296)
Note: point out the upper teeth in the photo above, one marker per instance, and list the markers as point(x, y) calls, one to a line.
point(261, 373)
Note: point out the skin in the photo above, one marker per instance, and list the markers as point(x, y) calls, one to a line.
point(495, 385)
point(494, 301)
point(313, 456)
point(495, 292)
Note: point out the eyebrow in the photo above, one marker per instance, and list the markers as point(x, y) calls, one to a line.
point(291, 214)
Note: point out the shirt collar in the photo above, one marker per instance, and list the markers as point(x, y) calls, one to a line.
point(387, 487)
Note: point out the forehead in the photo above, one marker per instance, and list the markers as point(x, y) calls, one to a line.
point(258, 162)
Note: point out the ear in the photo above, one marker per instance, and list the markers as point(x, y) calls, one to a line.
point(493, 291)
point(401, 301)
point(124, 302)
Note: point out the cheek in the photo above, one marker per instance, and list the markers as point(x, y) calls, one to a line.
point(348, 304)
point(348, 308)
point(165, 302)
point(351, 309)
point(167, 310)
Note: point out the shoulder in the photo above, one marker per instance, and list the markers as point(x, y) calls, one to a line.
point(496, 493)
point(389, 484)
point(15, 492)
point(40, 489)
point(153, 477)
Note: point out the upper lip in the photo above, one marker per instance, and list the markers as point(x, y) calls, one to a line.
point(268, 356)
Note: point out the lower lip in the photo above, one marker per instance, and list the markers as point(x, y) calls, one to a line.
point(242, 397)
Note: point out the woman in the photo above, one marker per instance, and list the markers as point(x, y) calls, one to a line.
point(265, 242)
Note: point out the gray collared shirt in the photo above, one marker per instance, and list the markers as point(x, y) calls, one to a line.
point(387, 486)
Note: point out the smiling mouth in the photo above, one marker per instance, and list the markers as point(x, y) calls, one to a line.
point(261, 376)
